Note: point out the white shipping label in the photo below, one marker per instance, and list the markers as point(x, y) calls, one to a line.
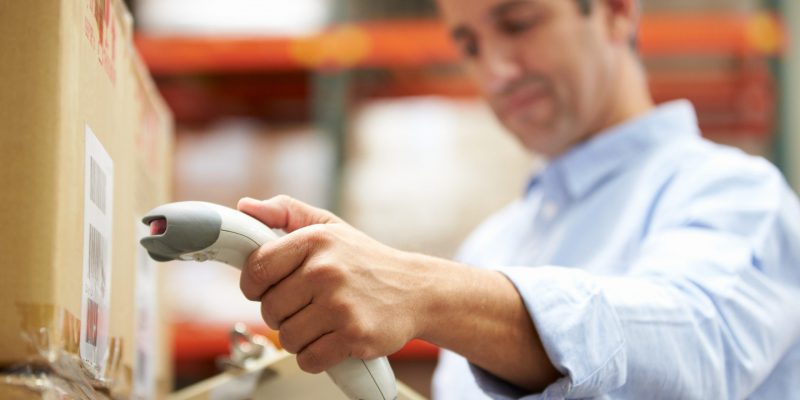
point(97, 225)
point(147, 339)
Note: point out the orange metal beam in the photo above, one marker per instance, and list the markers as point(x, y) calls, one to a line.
point(197, 341)
point(715, 34)
point(417, 43)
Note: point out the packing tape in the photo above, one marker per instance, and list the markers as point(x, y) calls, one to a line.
point(55, 369)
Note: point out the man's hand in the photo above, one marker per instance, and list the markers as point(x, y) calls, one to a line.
point(334, 293)
point(331, 291)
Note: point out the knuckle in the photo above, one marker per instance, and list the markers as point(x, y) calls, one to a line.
point(255, 276)
point(287, 342)
point(318, 235)
point(268, 314)
point(356, 332)
point(310, 361)
point(326, 272)
point(283, 198)
point(288, 203)
point(341, 309)
point(268, 299)
point(363, 353)
point(272, 299)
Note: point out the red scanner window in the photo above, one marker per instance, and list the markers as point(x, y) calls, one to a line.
point(158, 226)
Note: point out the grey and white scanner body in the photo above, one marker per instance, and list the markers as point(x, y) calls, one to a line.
point(199, 231)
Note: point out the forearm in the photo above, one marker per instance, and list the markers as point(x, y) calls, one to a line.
point(480, 315)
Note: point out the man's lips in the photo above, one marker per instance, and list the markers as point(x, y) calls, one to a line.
point(522, 99)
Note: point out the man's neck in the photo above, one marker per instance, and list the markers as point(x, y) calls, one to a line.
point(631, 96)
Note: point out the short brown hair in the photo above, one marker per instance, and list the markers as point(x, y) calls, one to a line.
point(586, 9)
point(585, 6)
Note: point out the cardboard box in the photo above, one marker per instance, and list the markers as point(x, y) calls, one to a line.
point(80, 129)
point(154, 144)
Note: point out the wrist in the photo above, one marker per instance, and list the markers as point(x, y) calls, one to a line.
point(438, 303)
point(426, 301)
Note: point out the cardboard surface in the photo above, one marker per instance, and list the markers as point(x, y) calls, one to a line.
point(70, 67)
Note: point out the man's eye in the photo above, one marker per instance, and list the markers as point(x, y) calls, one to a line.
point(513, 27)
point(469, 47)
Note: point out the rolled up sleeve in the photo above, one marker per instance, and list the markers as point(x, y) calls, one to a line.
point(579, 329)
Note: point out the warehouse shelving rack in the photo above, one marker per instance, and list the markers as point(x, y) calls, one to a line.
point(319, 70)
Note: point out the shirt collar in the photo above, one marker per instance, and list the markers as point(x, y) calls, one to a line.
point(588, 164)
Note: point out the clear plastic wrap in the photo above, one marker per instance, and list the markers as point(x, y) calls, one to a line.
point(55, 370)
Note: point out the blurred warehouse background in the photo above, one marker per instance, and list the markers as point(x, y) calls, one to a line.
point(360, 106)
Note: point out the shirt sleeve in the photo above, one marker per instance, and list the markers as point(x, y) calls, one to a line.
point(708, 308)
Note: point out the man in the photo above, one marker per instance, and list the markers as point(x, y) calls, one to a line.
point(642, 262)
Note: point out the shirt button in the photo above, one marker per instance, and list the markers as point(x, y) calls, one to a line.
point(549, 210)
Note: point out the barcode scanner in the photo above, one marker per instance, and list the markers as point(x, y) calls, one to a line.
point(202, 231)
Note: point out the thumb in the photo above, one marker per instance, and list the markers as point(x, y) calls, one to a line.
point(286, 213)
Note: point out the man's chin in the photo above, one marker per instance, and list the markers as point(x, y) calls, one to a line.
point(542, 119)
point(540, 139)
point(528, 127)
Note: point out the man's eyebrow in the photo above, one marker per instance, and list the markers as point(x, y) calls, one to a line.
point(460, 32)
point(501, 10)
point(507, 7)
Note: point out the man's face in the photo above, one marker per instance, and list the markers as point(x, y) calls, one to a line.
point(545, 67)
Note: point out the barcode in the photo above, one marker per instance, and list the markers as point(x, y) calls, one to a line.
point(97, 260)
point(141, 367)
point(92, 314)
point(97, 185)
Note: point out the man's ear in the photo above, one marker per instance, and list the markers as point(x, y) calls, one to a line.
point(622, 20)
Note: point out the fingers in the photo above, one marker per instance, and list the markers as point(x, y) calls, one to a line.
point(323, 353)
point(284, 212)
point(304, 327)
point(276, 260)
point(285, 299)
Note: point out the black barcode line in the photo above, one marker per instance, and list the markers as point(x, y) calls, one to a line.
point(97, 260)
point(97, 185)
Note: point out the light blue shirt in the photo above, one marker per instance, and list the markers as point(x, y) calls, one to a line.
point(666, 267)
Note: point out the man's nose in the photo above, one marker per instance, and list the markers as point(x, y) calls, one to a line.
point(499, 67)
